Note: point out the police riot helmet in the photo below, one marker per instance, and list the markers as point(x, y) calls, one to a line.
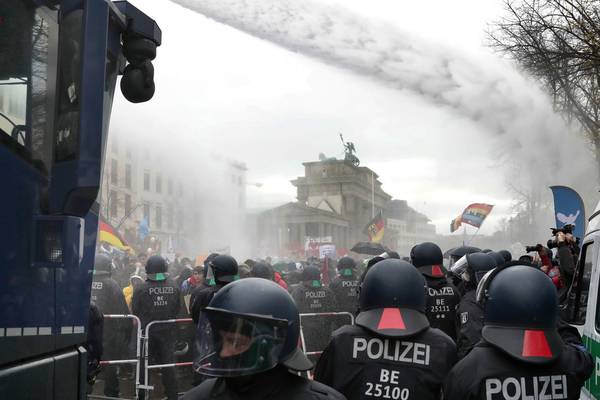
point(250, 326)
point(498, 258)
point(346, 263)
point(458, 252)
point(393, 299)
point(472, 267)
point(506, 255)
point(428, 258)
point(224, 268)
point(312, 274)
point(156, 268)
point(206, 263)
point(262, 270)
point(102, 265)
point(520, 312)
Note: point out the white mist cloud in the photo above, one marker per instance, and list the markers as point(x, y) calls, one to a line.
point(500, 101)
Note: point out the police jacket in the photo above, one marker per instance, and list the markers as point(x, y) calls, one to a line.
point(314, 299)
point(109, 298)
point(277, 383)
point(345, 289)
point(469, 322)
point(199, 299)
point(363, 365)
point(442, 301)
point(316, 329)
point(156, 300)
point(490, 374)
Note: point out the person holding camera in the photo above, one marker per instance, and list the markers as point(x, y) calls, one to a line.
point(567, 253)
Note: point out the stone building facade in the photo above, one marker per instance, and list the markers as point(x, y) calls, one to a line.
point(336, 200)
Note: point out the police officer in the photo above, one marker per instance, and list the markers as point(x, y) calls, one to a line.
point(157, 299)
point(522, 354)
point(345, 285)
point(223, 269)
point(262, 270)
point(250, 345)
point(93, 344)
point(469, 314)
point(391, 352)
point(442, 296)
point(108, 297)
point(312, 297)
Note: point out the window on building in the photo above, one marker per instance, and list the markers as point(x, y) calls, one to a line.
point(147, 212)
point(114, 177)
point(158, 184)
point(127, 204)
point(158, 216)
point(146, 180)
point(170, 186)
point(170, 217)
point(128, 176)
point(113, 202)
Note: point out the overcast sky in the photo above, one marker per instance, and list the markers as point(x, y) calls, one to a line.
point(246, 98)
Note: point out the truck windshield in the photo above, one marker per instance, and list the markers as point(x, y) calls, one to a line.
point(26, 108)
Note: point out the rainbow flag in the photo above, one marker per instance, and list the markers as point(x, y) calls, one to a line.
point(375, 228)
point(476, 213)
point(110, 235)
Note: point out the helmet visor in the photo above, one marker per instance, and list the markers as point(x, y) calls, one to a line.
point(482, 286)
point(459, 268)
point(236, 345)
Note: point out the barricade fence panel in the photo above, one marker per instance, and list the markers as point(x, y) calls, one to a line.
point(120, 363)
point(168, 346)
point(316, 330)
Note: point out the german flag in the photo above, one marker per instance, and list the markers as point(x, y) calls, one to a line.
point(375, 228)
point(110, 235)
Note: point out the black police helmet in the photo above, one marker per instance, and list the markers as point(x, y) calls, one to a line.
point(460, 251)
point(498, 258)
point(520, 313)
point(264, 316)
point(156, 268)
point(393, 299)
point(102, 265)
point(262, 270)
point(312, 274)
point(224, 268)
point(206, 263)
point(506, 255)
point(346, 263)
point(428, 258)
point(478, 264)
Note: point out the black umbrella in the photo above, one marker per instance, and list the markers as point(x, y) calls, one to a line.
point(370, 248)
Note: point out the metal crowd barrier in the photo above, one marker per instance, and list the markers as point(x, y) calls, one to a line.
point(326, 314)
point(147, 366)
point(138, 339)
